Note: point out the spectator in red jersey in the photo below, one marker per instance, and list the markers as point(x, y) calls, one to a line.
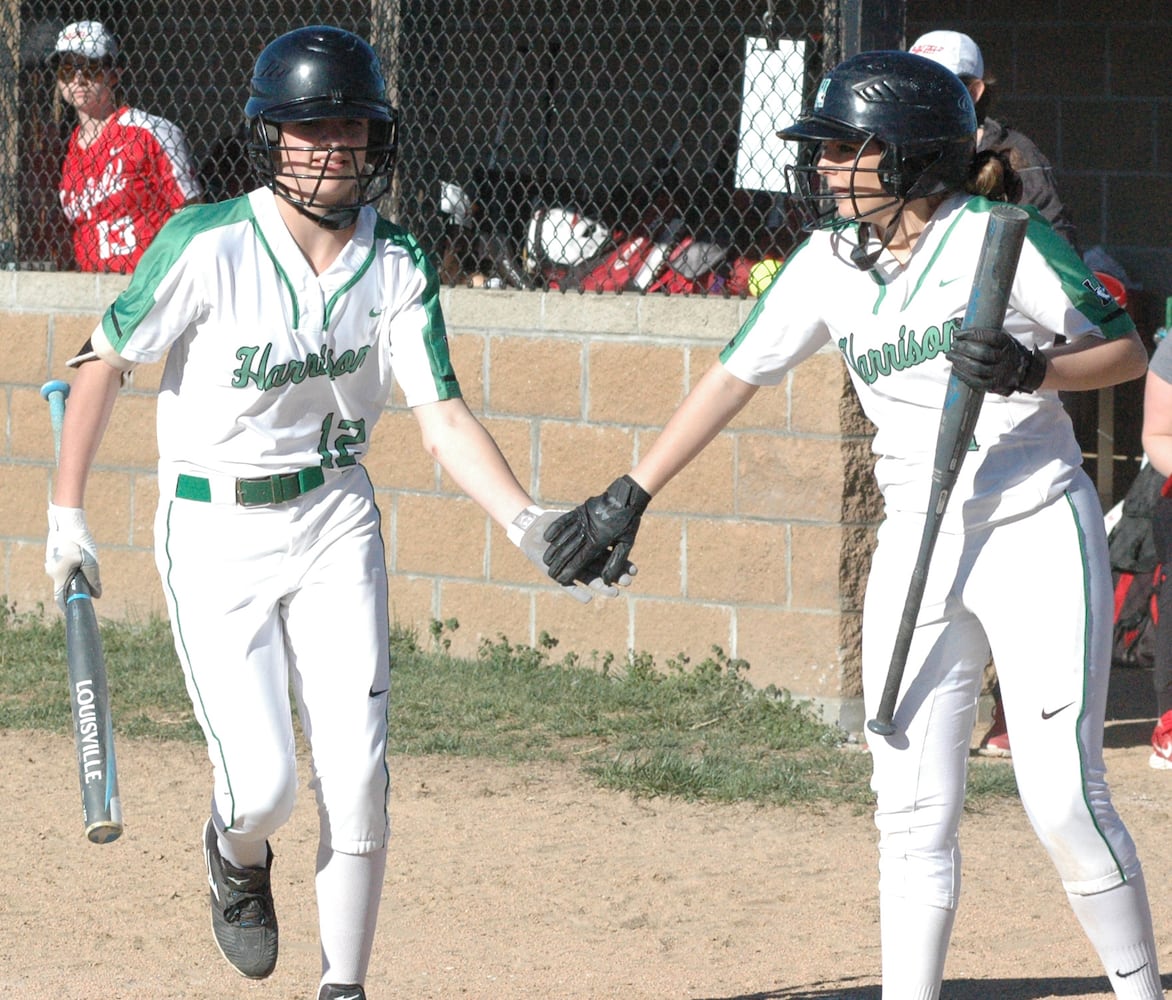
point(125, 171)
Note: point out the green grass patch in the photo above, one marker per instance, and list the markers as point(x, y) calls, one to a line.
point(694, 731)
point(146, 684)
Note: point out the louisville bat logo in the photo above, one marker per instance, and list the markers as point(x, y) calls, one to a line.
point(93, 724)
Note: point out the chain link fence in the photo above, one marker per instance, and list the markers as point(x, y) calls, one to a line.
point(593, 147)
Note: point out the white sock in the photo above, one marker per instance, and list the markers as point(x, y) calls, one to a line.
point(349, 888)
point(1119, 924)
point(915, 942)
point(242, 853)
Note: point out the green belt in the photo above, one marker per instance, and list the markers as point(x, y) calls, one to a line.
point(255, 492)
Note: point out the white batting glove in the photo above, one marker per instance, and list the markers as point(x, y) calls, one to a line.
point(527, 533)
point(70, 546)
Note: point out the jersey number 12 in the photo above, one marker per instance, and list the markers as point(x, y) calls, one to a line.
point(348, 434)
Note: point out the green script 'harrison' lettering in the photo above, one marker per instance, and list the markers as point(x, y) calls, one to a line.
point(906, 351)
point(254, 366)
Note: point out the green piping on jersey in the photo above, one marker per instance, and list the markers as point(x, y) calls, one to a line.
point(751, 319)
point(293, 303)
point(853, 226)
point(354, 279)
point(436, 335)
point(139, 296)
point(940, 246)
point(1084, 290)
point(935, 253)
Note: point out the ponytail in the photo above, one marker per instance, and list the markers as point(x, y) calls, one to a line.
point(992, 175)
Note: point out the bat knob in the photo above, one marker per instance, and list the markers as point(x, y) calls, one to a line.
point(56, 385)
point(104, 833)
point(881, 728)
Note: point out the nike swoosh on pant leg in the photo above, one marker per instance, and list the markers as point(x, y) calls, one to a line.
point(1050, 715)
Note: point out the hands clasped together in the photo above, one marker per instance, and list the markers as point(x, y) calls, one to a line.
point(586, 549)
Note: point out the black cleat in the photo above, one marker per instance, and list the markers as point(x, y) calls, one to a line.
point(243, 919)
point(331, 991)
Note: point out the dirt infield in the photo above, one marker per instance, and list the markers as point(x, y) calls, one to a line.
point(518, 883)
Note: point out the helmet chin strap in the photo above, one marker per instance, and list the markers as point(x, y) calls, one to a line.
point(332, 219)
point(860, 257)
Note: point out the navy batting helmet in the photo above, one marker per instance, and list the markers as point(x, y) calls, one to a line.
point(313, 73)
point(919, 111)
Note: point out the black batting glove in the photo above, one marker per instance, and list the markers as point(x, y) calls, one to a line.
point(526, 533)
point(604, 525)
point(993, 361)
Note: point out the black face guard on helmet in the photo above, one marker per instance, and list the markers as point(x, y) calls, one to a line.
point(307, 75)
point(818, 205)
point(919, 113)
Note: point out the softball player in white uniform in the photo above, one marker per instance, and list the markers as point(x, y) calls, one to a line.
point(283, 316)
point(1020, 569)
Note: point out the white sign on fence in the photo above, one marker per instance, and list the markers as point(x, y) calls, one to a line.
point(770, 100)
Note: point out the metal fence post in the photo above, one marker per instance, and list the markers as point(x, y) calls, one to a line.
point(865, 25)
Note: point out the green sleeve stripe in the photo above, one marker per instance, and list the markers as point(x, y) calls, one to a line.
point(1081, 287)
point(436, 335)
point(168, 246)
point(1106, 313)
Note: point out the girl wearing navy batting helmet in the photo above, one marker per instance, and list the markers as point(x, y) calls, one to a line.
point(896, 203)
point(284, 316)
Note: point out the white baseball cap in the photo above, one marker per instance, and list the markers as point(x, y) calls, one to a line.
point(953, 50)
point(88, 39)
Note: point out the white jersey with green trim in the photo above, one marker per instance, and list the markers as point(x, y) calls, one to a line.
point(893, 325)
point(271, 367)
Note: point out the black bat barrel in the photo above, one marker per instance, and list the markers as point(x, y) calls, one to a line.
point(988, 301)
